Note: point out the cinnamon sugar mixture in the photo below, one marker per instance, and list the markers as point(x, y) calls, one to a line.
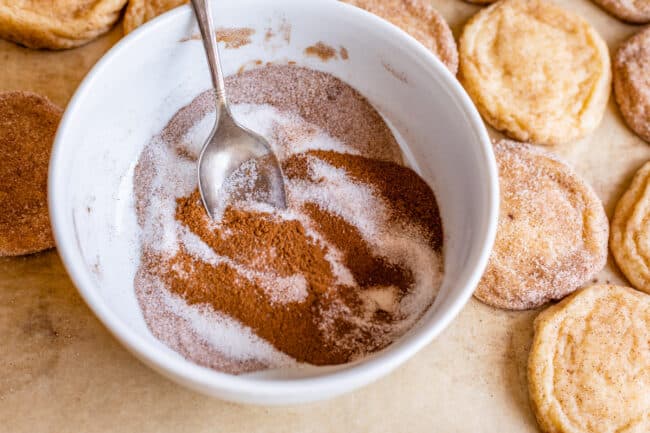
point(348, 267)
point(233, 37)
point(323, 51)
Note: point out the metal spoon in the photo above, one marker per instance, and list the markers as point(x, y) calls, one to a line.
point(232, 151)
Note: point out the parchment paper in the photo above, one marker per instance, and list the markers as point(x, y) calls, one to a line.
point(61, 371)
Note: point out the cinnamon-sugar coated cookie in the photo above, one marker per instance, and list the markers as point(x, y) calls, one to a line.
point(630, 231)
point(419, 19)
point(632, 82)
point(28, 123)
point(589, 365)
point(634, 11)
point(139, 12)
point(535, 71)
point(552, 232)
point(57, 24)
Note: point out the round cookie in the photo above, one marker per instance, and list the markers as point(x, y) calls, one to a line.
point(589, 365)
point(139, 12)
point(630, 232)
point(632, 82)
point(57, 24)
point(535, 71)
point(28, 123)
point(419, 19)
point(552, 232)
point(634, 11)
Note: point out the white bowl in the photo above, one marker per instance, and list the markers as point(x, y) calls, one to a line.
point(134, 90)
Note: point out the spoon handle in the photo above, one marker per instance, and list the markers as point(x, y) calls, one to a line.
point(206, 26)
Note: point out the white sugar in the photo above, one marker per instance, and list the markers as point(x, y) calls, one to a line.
point(268, 122)
point(173, 177)
point(198, 134)
point(342, 196)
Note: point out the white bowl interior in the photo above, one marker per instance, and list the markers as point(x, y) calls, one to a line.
point(132, 93)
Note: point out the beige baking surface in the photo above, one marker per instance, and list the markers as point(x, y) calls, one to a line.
point(60, 370)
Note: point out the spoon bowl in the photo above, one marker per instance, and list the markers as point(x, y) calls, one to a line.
point(237, 164)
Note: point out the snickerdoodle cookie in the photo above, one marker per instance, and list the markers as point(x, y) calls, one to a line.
point(57, 24)
point(634, 11)
point(139, 12)
point(552, 233)
point(632, 82)
point(630, 231)
point(419, 19)
point(28, 123)
point(589, 366)
point(535, 71)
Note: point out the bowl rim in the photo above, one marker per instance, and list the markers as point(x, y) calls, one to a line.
point(203, 378)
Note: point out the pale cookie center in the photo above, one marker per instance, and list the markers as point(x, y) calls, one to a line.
point(544, 63)
point(601, 367)
point(543, 223)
